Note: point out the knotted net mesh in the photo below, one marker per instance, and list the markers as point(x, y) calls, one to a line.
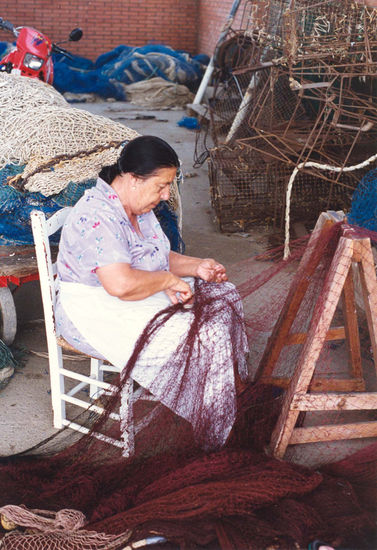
point(363, 207)
point(51, 152)
point(246, 494)
point(55, 143)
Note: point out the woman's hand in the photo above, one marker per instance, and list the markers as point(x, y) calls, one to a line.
point(179, 291)
point(207, 269)
point(211, 271)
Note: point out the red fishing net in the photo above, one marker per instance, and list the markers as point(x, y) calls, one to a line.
point(81, 494)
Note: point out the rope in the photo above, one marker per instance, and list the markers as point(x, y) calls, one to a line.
point(44, 520)
point(321, 167)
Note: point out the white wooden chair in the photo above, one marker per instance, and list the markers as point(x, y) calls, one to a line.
point(94, 381)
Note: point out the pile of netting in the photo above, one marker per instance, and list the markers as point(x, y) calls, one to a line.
point(55, 141)
point(112, 71)
point(50, 150)
point(86, 495)
point(126, 65)
point(157, 93)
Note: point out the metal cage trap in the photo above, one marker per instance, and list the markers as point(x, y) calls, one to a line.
point(295, 83)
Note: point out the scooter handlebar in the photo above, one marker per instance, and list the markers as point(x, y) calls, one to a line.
point(7, 26)
point(58, 49)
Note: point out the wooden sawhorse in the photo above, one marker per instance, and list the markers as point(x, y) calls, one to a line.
point(303, 392)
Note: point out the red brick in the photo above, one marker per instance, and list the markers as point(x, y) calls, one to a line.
point(192, 25)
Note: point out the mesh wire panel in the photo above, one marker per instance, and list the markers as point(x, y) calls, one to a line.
point(245, 189)
point(296, 83)
point(342, 27)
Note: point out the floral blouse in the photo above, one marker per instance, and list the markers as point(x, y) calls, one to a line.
point(98, 233)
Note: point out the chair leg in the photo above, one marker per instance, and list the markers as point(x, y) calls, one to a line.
point(126, 419)
point(97, 374)
point(57, 385)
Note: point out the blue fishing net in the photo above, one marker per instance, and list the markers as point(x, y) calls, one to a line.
point(112, 55)
point(152, 60)
point(85, 81)
point(125, 65)
point(16, 207)
point(364, 202)
point(169, 222)
point(5, 48)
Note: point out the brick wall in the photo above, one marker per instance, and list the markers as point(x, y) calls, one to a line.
point(212, 17)
point(192, 25)
point(108, 23)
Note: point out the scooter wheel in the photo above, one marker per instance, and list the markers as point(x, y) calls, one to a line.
point(8, 317)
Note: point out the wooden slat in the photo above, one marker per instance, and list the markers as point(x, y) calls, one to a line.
point(297, 291)
point(319, 326)
point(336, 333)
point(351, 326)
point(320, 384)
point(87, 379)
point(335, 402)
point(20, 261)
point(369, 289)
point(334, 432)
point(17, 261)
point(97, 435)
point(55, 222)
point(334, 384)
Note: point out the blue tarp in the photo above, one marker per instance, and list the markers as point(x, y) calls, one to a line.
point(81, 81)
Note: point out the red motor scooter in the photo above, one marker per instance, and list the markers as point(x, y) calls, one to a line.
point(31, 55)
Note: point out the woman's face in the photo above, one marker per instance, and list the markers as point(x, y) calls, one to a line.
point(148, 192)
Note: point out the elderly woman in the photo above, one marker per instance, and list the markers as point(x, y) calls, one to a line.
point(116, 272)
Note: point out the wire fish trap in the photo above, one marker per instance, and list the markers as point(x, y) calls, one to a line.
point(302, 28)
point(329, 27)
point(247, 190)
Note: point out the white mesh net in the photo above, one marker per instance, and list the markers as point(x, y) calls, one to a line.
point(57, 143)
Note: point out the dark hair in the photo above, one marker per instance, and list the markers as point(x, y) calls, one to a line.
point(141, 156)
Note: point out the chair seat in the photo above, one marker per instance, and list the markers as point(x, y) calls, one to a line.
point(67, 347)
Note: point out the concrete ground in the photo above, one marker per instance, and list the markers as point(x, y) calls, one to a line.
point(25, 403)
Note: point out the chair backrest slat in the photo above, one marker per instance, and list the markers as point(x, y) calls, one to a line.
point(42, 229)
point(57, 220)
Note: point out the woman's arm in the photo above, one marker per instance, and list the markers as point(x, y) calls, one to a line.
point(188, 266)
point(126, 283)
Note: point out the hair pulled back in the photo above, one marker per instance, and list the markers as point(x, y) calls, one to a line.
point(142, 157)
